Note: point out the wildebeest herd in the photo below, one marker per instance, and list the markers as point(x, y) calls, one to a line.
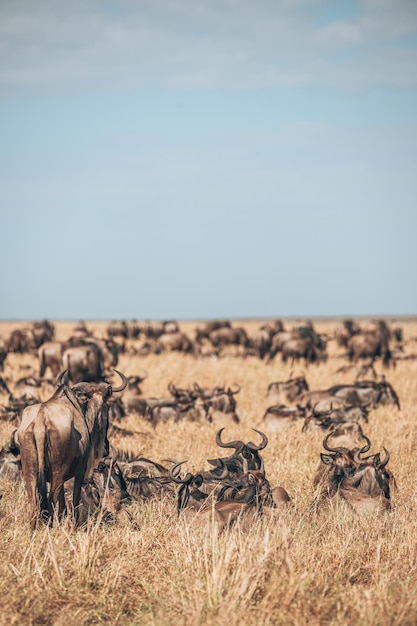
point(66, 427)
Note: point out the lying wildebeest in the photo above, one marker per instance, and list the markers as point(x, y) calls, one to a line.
point(324, 419)
point(364, 482)
point(278, 416)
point(10, 463)
point(61, 439)
point(245, 457)
point(361, 393)
point(221, 403)
point(225, 499)
point(288, 390)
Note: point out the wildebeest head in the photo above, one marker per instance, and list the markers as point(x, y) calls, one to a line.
point(245, 457)
point(10, 463)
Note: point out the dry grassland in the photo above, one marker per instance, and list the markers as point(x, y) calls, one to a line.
point(307, 565)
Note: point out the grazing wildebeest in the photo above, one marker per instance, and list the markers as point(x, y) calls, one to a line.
point(61, 439)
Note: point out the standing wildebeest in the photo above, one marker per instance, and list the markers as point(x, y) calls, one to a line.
point(83, 363)
point(369, 346)
point(88, 360)
point(260, 343)
point(345, 331)
point(50, 355)
point(175, 341)
point(61, 439)
point(203, 330)
point(225, 336)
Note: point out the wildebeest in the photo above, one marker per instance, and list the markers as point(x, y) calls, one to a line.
point(260, 343)
point(287, 391)
point(369, 346)
point(364, 482)
point(201, 498)
point(278, 416)
point(88, 360)
point(203, 330)
point(175, 341)
point(221, 403)
point(50, 355)
point(246, 456)
point(10, 463)
point(60, 439)
point(225, 336)
point(361, 393)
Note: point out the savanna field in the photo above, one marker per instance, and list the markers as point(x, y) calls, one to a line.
point(309, 563)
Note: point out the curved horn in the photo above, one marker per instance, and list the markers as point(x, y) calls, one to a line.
point(225, 470)
point(60, 380)
point(232, 444)
point(367, 446)
point(123, 385)
point(237, 390)
point(174, 475)
point(13, 442)
point(263, 443)
point(386, 459)
point(316, 414)
point(329, 449)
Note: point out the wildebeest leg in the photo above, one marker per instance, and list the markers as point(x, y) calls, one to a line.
point(57, 497)
point(78, 481)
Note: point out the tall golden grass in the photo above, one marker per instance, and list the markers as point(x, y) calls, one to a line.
point(307, 565)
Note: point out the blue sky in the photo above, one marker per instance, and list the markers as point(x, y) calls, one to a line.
point(170, 159)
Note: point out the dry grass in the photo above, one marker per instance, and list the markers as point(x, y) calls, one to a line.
point(304, 566)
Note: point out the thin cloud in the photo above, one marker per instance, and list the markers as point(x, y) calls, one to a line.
point(50, 46)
